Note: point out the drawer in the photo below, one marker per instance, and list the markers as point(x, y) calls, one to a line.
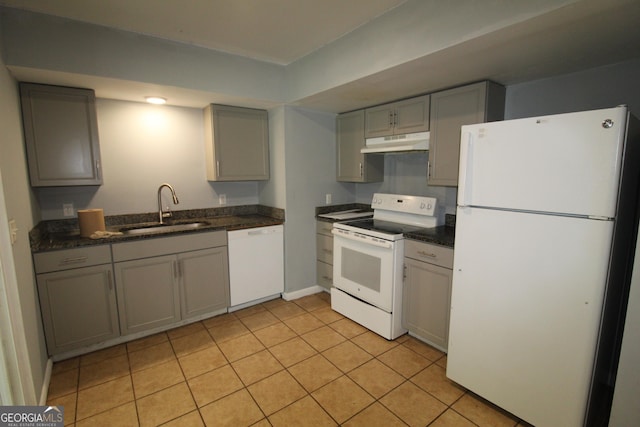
point(324, 248)
point(433, 254)
point(323, 227)
point(324, 274)
point(67, 259)
point(158, 246)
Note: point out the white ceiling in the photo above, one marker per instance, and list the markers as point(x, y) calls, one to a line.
point(589, 33)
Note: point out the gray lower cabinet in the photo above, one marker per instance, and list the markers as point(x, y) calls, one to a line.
point(205, 281)
point(427, 292)
point(148, 294)
point(61, 135)
point(77, 297)
point(324, 254)
point(352, 165)
point(450, 109)
point(236, 143)
point(162, 281)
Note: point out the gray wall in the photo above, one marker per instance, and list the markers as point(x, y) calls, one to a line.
point(26, 316)
point(143, 146)
point(601, 87)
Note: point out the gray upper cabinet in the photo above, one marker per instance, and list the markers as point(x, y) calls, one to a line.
point(400, 117)
point(61, 134)
point(237, 143)
point(450, 109)
point(352, 165)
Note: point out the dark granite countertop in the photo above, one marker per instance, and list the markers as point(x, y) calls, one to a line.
point(339, 208)
point(443, 235)
point(65, 234)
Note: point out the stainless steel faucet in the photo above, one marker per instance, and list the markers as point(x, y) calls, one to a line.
point(161, 214)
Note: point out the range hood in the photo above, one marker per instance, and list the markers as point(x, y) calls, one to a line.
point(418, 141)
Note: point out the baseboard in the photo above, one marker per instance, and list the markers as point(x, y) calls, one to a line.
point(45, 383)
point(288, 296)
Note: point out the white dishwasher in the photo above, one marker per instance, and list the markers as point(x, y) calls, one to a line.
point(256, 264)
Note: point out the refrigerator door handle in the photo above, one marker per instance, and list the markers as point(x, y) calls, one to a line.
point(466, 162)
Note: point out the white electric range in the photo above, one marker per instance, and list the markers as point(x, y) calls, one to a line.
point(368, 261)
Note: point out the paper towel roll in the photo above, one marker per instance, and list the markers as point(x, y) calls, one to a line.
point(90, 220)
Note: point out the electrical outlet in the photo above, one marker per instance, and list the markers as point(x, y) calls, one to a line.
point(67, 209)
point(327, 199)
point(222, 199)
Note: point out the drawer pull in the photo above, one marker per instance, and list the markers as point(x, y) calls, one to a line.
point(327, 278)
point(75, 260)
point(427, 254)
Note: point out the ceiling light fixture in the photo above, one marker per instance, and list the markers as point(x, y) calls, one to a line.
point(156, 100)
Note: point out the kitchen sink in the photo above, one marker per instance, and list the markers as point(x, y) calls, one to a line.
point(164, 228)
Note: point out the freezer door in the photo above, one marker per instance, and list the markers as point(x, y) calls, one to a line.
point(566, 163)
point(525, 310)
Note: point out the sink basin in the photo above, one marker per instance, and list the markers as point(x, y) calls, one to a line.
point(164, 228)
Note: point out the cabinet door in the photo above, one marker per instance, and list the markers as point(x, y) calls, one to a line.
point(412, 115)
point(148, 295)
point(406, 116)
point(427, 301)
point(450, 109)
point(78, 307)
point(61, 134)
point(379, 121)
point(352, 165)
point(204, 281)
point(237, 143)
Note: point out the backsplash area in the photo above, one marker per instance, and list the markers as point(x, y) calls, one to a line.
point(406, 173)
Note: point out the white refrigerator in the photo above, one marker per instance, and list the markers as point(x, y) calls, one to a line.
point(545, 236)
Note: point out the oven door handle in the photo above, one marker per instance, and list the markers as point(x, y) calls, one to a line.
point(363, 240)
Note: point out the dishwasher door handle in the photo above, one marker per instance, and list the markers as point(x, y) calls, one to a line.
point(261, 231)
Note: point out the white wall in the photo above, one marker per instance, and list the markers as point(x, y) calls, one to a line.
point(143, 146)
point(20, 280)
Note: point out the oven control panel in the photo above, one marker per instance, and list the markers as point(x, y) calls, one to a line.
point(419, 205)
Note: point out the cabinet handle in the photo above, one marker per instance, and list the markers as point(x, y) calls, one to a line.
point(395, 118)
point(390, 119)
point(109, 280)
point(428, 170)
point(361, 170)
point(175, 269)
point(327, 278)
point(218, 168)
point(427, 254)
point(75, 260)
point(98, 172)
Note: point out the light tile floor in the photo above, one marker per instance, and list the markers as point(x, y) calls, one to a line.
point(280, 363)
